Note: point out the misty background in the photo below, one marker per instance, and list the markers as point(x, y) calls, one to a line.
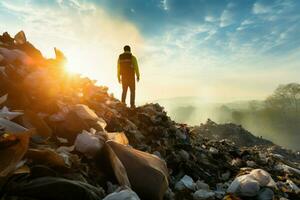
point(276, 118)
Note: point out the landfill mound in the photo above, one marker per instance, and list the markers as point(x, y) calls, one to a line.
point(63, 137)
point(233, 132)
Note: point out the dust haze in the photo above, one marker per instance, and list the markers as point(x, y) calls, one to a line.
point(275, 118)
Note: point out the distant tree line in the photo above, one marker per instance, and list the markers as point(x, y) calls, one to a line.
point(277, 117)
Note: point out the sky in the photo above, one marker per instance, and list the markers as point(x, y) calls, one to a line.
point(218, 50)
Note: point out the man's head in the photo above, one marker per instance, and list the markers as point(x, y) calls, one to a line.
point(127, 48)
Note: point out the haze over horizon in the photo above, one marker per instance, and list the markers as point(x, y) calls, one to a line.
point(221, 51)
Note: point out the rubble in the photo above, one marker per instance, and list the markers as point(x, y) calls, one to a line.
point(14, 147)
point(126, 194)
point(54, 188)
point(63, 137)
point(185, 182)
point(88, 144)
point(250, 184)
point(152, 181)
point(203, 194)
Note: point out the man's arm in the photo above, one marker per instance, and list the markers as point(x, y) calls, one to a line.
point(119, 70)
point(136, 67)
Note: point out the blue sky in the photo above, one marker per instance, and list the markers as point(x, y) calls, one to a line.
point(220, 50)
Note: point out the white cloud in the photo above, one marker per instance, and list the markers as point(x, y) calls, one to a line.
point(240, 28)
point(210, 18)
point(67, 22)
point(259, 8)
point(277, 10)
point(241, 70)
point(247, 22)
point(226, 18)
point(164, 4)
point(82, 6)
point(60, 2)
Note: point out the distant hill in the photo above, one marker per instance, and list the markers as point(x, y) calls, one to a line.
point(252, 114)
point(194, 110)
point(198, 101)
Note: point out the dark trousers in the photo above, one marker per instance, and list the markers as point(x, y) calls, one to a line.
point(128, 83)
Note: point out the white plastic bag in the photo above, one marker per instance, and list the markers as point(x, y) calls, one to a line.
point(244, 185)
point(11, 126)
point(249, 184)
point(88, 144)
point(185, 182)
point(5, 113)
point(263, 178)
point(122, 195)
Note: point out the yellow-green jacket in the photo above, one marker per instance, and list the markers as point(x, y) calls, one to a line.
point(134, 65)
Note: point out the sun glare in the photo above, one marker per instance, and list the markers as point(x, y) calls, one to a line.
point(84, 61)
point(95, 64)
point(74, 64)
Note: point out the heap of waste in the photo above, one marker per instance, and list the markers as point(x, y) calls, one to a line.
point(64, 137)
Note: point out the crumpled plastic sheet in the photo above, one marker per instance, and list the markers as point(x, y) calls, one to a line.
point(11, 126)
point(125, 194)
point(50, 188)
point(5, 113)
point(249, 184)
point(89, 144)
point(12, 155)
point(152, 181)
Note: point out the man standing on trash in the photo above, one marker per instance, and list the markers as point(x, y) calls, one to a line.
point(127, 70)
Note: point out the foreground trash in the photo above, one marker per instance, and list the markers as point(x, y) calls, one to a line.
point(250, 184)
point(152, 179)
point(13, 148)
point(54, 188)
point(126, 194)
point(63, 137)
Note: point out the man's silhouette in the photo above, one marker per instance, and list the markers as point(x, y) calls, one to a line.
point(127, 70)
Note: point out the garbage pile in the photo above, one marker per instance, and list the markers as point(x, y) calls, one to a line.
point(64, 137)
point(237, 134)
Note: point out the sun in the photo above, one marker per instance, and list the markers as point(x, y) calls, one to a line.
point(84, 60)
point(74, 64)
point(94, 63)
